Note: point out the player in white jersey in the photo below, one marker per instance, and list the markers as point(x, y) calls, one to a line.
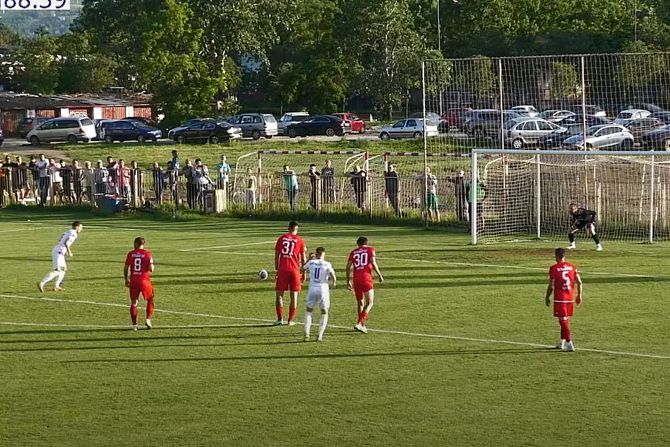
point(58, 257)
point(321, 273)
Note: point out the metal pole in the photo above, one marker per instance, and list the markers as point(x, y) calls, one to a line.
point(439, 30)
point(538, 197)
point(425, 145)
point(502, 114)
point(651, 201)
point(583, 76)
point(473, 200)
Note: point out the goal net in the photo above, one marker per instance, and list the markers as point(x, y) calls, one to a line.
point(519, 195)
point(294, 189)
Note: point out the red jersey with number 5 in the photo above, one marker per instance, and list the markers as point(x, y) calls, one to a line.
point(289, 247)
point(563, 276)
point(139, 263)
point(361, 259)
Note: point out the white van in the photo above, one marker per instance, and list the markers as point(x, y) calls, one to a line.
point(72, 130)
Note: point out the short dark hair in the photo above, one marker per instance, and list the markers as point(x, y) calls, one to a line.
point(174, 152)
point(312, 165)
point(362, 241)
point(139, 241)
point(320, 250)
point(292, 225)
point(75, 224)
point(573, 204)
point(560, 253)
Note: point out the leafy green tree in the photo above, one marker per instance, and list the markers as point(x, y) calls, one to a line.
point(564, 81)
point(38, 65)
point(81, 68)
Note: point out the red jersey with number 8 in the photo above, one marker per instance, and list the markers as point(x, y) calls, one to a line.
point(139, 263)
point(361, 259)
point(563, 276)
point(289, 246)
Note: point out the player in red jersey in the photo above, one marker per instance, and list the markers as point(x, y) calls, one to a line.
point(362, 261)
point(563, 277)
point(290, 255)
point(139, 264)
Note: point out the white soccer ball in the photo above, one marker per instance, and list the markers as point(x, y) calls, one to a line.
point(263, 275)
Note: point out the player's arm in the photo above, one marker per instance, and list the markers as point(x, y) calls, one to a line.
point(276, 260)
point(151, 265)
point(550, 289)
point(125, 275)
point(332, 276)
point(376, 268)
point(580, 287)
point(304, 267)
point(67, 248)
point(349, 268)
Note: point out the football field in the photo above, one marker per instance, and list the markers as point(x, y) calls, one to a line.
point(459, 350)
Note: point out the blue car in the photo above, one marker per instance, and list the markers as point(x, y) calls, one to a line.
point(122, 130)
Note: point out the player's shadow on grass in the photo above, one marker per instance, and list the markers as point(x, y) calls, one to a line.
point(434, 353)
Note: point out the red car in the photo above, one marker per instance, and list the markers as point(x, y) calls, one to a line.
point(352, 123)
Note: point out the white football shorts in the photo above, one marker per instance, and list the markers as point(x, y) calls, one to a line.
point(58, 258)
point(318, 295)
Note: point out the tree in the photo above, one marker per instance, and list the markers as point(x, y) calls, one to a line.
point(81, 68)
point(38, 65)
point(564, 81)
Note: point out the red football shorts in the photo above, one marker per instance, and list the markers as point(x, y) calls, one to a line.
point(563, 309)
point(144, 287)
point(362, 287)
point(288, 280)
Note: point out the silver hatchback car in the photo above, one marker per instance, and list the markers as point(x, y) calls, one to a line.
point(525, 131)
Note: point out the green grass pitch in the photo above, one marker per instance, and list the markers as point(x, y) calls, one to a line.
point(457, 354)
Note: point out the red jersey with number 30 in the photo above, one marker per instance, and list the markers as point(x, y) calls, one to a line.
point(139, 263)
point(563, 276)
point(289, 247)
point(361, 259)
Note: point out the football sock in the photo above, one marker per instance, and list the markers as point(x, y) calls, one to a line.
point(565, 330)
point(308, 322)
point(291, 313)
point(363, 318)
point(150, 309)
point(49, 276)
point(133, 313)
point(59, 278)
point(322, 324)
point(596, 239)
point(571, 237)
point(280, 312)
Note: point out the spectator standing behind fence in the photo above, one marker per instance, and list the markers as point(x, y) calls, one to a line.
point(291, 185)
point(136, 184)
point(68, 182)
point(158, 177)
point(176, 165)
point(77, 185)
point(359, 181)
point(172, 182)
point(34, 177)
point(223, 171)
point(56, 181)
point(101, 176)
point(123, 180)
point(42, 166)
point(328, 183)
point(87, 181)
point(20, 180)
point(392, 186)
point(250, 186)
point(202, 181)
point(432, 205)
point(315, 184)
point(479, 195)
point(111, 168)
point(460, 194)
point(187, 172)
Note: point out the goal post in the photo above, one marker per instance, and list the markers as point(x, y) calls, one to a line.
point(517, 195)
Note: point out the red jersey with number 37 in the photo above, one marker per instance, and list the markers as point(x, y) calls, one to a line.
point(361, 259)
point(289, 247)
point(563, 276)
point(139, 263)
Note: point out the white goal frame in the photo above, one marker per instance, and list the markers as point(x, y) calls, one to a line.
point(655, 157)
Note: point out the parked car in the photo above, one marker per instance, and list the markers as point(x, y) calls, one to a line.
point(653, 108)
point(290, 118)
point(352, 123)
point(638, 127)
point(147, 121)
point(453, 118)
point(525, 110)
point(555, 139)
point(71, 130)
point(486, 122)
point(409, 128)
point(433, 118)
point(207, 132)
point(527, 131)
point(588, 109)
point(663, 116)
point(602, 137)
point(255, 125)
point(189, 123)
point(657, 139)
point(125, 130)
point(628, 115)
point(591, 120)
point(2, 137)
point(556, 115)
point(328, 125)
point(27, 124)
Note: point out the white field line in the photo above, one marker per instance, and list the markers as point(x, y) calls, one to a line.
point(112, 326)
point(380, 331)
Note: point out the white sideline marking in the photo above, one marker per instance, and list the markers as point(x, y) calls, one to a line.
point(380, 331)
point(110, 326)
point(226, 246)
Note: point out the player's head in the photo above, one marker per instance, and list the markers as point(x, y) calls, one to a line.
point(312, 167)
point(560, 254)
point(573, 207)
point(175, 154)
point(77, 226)
point(320, 252)
point(329, 163)
point(361, 241)
point(42, 157)
point(138, 243)
point(293, 226)
point(250, 171)
point(391, 167)
point(223, 157)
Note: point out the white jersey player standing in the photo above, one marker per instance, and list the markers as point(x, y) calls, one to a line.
point(58, 257)
point(321, 273)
